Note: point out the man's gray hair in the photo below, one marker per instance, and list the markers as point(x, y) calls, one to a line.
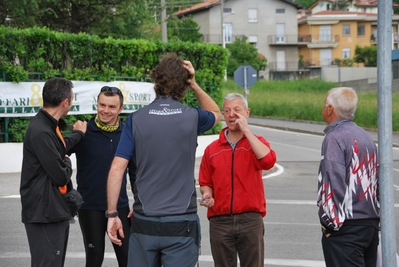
point(344, 100)
point(233, 96)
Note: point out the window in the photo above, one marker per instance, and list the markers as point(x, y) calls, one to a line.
point(346, 29)
point(227, 10)
point(252, 15)
point(360, 30)
point(280, 56)
point(374, 35)
point(253, 39)
point(328, 6)
point(346, 53)
point(280, 11)
point(325, 33)
point(228, 33)
point(280, 33)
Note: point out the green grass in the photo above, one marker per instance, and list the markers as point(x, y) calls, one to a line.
point(303, 100)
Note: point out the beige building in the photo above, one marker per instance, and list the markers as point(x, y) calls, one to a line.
point(362, 6)
point(284, 33)
point(329, 35)
point(270, 25)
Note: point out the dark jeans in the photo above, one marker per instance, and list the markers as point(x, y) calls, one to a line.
point(47, 243)
point(351, 246)
point(240, 234)
point(94, 228)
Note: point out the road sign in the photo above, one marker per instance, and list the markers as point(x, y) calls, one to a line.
point(245, 76)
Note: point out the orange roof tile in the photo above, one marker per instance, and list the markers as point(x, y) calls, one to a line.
point(198, 6)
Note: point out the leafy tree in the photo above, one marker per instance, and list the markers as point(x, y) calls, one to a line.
point(304, 3)
point(116, 18)
point(396, 8)
point(185, 29)
point(123, 19)
point(13, 13)
point(366, 55)
point(243, 53)
point(340, 5)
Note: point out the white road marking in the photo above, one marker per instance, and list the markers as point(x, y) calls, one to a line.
point(202, 258)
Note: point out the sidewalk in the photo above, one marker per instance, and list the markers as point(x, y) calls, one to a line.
point(307, 127)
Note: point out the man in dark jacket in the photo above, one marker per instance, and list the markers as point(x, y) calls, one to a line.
point(94, 156)
point(46, 175)
point(349, 209)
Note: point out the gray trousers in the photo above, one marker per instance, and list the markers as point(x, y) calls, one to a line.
point(167, 241)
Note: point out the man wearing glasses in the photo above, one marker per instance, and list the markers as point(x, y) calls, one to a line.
point(162, 138)
point(94, 155)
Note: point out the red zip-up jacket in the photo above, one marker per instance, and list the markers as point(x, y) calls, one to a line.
point(235, 176)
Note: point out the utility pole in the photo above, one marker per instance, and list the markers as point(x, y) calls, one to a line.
point(384, 81)
point(163, 22)
point(222, 31)
point(222, 23)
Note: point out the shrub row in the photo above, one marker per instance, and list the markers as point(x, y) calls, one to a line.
point(26, 54)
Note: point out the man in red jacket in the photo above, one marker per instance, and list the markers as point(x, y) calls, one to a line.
point(232, 188)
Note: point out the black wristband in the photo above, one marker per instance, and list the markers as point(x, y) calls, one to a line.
point(111, 215)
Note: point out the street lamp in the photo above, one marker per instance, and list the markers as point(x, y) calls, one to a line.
point(163, 22)
point(222, 30)
point(222, 22)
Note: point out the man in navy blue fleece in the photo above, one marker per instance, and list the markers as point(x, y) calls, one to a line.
point(162, 139)
point(94, 155)
point(348, 185)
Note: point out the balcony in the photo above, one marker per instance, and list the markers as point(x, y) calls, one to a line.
point(285, 39)
point(283, 66)
point(373, 39)
point(217, 38)
point(319, 63)
point(290, 66)
point(311, 41)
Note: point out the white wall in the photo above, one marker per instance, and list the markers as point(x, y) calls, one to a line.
point(11, 154)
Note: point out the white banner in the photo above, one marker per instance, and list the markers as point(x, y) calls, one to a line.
point(25, 99)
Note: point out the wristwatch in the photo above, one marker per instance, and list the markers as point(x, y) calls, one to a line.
point(111, 215)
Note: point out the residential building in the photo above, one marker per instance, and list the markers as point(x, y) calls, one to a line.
point(362, 6)
point(333, 34)
point(270, 25)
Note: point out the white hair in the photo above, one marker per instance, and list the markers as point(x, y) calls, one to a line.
point(344, 100)
point(233, 96)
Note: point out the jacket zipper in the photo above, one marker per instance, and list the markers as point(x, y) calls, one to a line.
point(232, 180)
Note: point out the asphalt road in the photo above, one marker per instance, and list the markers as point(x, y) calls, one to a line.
point(292, 236)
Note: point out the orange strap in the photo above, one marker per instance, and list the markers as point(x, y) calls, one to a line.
point(57, 130)
point(63, 189)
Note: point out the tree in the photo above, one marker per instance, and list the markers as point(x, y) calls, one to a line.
point(184, 29)
point(123, 19)
point(304, 3)
point(243, 53)
point(340, 5)
point(366, 55)
point(116, 18)
point(13, 13)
